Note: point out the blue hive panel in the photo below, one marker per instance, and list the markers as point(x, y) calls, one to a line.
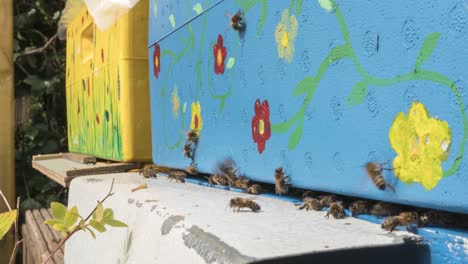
point(321, 88)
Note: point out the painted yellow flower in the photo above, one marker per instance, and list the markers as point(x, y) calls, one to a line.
point(175, 102)
point(422, 144)
point(196, 122)
point(285, 34)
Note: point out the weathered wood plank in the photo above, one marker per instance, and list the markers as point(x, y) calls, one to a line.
point(47, 235)
point(53, 175)
point(36, 236)
point(104, 169)
point(80, 158)
point(47, 156)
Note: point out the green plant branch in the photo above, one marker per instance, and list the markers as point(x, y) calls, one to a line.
point(309, 84)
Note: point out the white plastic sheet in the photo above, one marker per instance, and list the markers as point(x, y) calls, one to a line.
point(107, 12)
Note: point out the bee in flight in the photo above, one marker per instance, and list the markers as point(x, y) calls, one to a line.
point(374, 171)
point(403, 219)
point(237, 21)
point(238, 203)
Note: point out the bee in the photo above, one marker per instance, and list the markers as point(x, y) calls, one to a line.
point(281, 184)
point(311, 204)
point(242, 182)
point(436, 218)
point(374, 171)
point(217, 180)
point(308, 194)
point(149, 171)
point(254, 189)
point(327, 200)
point(238, 203)
point(237, 21)
point(188, 151)
point(192, 136)
point(178, 176)
point(336, 210)
point(192, 169)
point(227, 168)
point(403, 219)
point(359, 207)
point(385, 209)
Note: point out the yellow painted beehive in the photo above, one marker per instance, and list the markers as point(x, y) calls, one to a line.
point(108, 109)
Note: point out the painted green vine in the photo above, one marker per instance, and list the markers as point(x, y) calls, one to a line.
point(309, 85)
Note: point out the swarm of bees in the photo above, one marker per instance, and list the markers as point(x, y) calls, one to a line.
point(237, 203)
point(282, 184)
point(374, 171)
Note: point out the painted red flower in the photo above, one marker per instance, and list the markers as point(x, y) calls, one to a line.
point(261, 130)
point(157, 60)
point(219, 52)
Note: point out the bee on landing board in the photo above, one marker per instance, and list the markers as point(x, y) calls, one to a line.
point(150, 171)
point(191, 169)
point(359, 207)
point(311, 204)
point(327, 200)
point(254, 189)
point(178, 176)
point(436, 218)
point(382, 209)
point(217, 179)
point(374, 171)
point(242, 182)
point(281, 184)
point(309, 194)
point(336, 210)
point(237, 21)
point(403, 219)
point(237, 203)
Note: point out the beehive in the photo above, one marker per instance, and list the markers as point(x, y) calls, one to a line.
point(107, 87)
point(319, 88)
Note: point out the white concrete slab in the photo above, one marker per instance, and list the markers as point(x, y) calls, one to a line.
point(185, 223)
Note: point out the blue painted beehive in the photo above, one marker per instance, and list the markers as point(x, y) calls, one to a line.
point(320, 88)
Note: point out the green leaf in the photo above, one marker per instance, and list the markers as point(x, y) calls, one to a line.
point(91, 232)
point(295, 137)
point(99, 213)
point(7, 219)
point(60, 227)
point(303, 86)
point(52, 222)
point(108, 214)
point(58, 210)
point(198, 8)
point(427, 48)
point(115, 223)
point(97, 225)
point(71, 217)
point(357, 94)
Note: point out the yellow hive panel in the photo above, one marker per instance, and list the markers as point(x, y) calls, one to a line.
point(107, 87)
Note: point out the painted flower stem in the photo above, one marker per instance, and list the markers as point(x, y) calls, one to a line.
point(347, 51)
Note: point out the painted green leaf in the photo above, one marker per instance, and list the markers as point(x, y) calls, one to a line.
point(230, 62)
point(198, 8)
point(71, 217)
point(99, 213)
point(263, 14)
point(97, 225)
point(298, 7)
point(246, 4)
point(303, 86)
point(108, 214)
point(295, 137)
point(328, 5)
point(7, 219)
point(427, 48)
point(58, 210)
point(91, 232)
point(114, 223)
point(357, 94)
